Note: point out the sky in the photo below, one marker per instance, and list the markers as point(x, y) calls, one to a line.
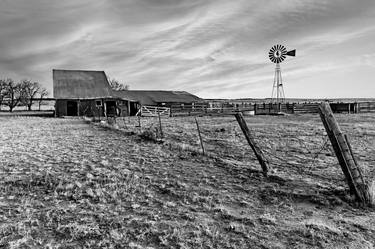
point(211, 48)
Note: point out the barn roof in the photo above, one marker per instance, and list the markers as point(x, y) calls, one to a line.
point(80, 84)
point(146, 97)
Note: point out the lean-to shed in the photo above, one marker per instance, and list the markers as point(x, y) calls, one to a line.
point(160, 98)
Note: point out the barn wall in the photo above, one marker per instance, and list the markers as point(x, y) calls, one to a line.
point(60, 108)
point(122, 105)
point(88, 108)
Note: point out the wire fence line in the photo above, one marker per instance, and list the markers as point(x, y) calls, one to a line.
point(228, 140)
point(301, 147)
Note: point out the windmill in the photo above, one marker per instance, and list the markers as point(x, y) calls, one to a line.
point(277, 54)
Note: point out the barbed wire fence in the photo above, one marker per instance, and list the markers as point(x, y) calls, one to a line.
point(297, 151)
point(273, 148)
point(276, 156)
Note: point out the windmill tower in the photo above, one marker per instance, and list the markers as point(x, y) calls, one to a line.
point(277, 54)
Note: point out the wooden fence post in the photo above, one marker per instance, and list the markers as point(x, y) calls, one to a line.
point(200, 136)
point(139, 123)
point(342, 148)
point(258, 152)
point(161, 130)
point(255, 109)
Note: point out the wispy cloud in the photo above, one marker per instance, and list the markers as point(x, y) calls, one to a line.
point(209, 47)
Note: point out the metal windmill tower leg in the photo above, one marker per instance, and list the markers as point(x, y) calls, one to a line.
point(281, 88)
point(274, 87)
point(278, 84)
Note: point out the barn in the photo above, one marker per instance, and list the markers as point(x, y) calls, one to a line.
point(87, 93)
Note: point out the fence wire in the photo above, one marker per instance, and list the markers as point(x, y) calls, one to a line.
point(304, 151)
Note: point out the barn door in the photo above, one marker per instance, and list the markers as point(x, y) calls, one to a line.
point(111, 108)
point(71, 108)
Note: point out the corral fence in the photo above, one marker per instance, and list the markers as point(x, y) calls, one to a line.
point(195, 109)
point(206, 109)
point(301, 108)
point(267, 108)
point(153, 111)
point(364, 107)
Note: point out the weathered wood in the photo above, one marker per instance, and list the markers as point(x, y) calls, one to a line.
point(354, 159)
point(343, 153)
point(161, 129)
point(258, 152)
point(128, 106)
point(139, 124)
point(78, 107)
point(200, 136)
point(104, 108)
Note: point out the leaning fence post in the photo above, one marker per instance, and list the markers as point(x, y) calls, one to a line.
point(258, 152)
point(342, 148)
point(200, 136)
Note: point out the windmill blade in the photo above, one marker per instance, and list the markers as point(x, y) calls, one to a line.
point(278, 53)
point(291, 53)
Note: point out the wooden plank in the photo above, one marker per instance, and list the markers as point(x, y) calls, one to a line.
point(342, 150)
point(200, 136)
point(160, 126)
point(257, 151)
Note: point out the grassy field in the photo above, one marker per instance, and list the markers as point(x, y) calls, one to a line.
point(66, 183)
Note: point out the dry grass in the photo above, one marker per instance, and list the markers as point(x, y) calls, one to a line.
point(371, 191)
point(70, 184)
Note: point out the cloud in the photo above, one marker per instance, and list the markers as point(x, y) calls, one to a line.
point(209, 47)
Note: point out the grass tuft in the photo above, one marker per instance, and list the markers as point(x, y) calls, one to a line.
point(371, 193)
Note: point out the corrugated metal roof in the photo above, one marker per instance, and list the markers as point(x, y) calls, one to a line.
point(145, 97)
point(80, 84)
point(130, 95)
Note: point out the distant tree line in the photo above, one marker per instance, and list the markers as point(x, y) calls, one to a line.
point(23, 93)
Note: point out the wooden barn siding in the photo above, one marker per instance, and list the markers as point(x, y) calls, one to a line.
point(86, 108)
point(60, 108)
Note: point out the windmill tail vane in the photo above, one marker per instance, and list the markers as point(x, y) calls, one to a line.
point(291, 52)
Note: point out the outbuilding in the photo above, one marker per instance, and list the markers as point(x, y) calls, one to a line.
point(87, 93)
point(160, 98)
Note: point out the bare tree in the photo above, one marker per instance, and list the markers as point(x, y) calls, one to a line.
point(116, 85)
point(42, 93)
point(13, 94)
point(30, 90)
point(3, 87)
